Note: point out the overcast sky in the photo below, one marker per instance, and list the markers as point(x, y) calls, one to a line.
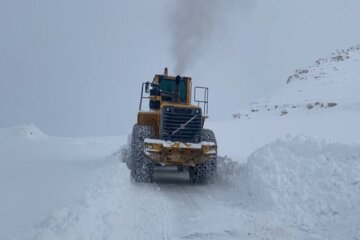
point(75, 67)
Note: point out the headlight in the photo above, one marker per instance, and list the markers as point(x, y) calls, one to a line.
point(197, 111)
point(167, 109)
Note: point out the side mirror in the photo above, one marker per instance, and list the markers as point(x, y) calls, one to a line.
point(147, 84)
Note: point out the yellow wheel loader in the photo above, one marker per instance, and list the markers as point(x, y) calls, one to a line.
point(170, 132)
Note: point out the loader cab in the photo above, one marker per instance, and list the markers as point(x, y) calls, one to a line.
point(173, 90)
point(166, 89)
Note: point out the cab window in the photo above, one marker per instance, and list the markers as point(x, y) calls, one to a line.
point(168, 88)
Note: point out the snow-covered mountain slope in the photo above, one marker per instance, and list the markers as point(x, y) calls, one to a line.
point(331, 82)
point(321, 100)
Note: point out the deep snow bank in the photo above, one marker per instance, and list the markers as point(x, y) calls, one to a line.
point(312, 185)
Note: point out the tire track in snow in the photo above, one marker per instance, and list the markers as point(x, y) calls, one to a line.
point(198, 213)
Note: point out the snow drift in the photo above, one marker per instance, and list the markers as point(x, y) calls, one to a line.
point(313, 183)
point(309, 188)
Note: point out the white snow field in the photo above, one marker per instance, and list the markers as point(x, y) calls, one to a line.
point(321, 100)
point(292, 172)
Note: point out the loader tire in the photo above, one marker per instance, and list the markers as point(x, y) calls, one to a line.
point(142, 167)
point(205, 173)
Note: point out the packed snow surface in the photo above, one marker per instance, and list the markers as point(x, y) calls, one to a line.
point(292, 171)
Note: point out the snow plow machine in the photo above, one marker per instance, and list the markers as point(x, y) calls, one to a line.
point(170, 132)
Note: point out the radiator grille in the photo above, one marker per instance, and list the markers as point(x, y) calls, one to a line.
point(172, 118)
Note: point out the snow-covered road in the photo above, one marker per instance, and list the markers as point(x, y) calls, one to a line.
point(113, 207)
point(293, 188)
point(264, 199)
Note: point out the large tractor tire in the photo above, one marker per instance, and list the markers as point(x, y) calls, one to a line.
point(205, 173)
point(142, 167)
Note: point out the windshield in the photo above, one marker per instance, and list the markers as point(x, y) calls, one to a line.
point(169, 86)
